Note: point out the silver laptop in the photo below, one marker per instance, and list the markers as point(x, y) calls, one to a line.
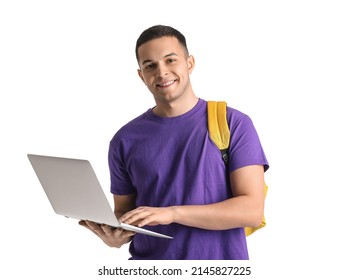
point(73, 190)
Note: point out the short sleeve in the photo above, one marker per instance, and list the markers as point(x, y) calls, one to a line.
point(245, 147)
point(120, 182)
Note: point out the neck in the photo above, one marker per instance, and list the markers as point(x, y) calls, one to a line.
point(176, 107)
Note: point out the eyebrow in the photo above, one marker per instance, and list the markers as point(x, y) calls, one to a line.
point(149, 60)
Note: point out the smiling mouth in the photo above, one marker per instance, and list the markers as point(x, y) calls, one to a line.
point(165, 85)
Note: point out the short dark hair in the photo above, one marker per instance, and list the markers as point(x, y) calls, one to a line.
point(158, 31)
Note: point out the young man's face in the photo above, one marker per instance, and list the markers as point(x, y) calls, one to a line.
point(165, 68)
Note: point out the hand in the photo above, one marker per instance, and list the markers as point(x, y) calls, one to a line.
point(151, 216)
point(111, 237)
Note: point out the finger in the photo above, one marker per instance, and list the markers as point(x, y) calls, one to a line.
point(126, 216)
point(127, 233)
point(107, 230)
point(149, 220)
point(118, 233)
point(135, 216)
point(111, 232)
point(83, 223)
point(94, 227)
point(131, 213)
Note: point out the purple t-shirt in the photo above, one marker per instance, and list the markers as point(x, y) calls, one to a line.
point(173, 161)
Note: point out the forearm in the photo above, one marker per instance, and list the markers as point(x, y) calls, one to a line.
point(123, 204)
point(232, 213)
point(127, 239)
point(245, 209)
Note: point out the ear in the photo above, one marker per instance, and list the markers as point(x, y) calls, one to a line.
point(140, 74)
point(190, 63)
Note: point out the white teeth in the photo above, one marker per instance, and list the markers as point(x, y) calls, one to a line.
point(167, 84)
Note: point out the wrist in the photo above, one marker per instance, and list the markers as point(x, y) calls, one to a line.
point(176, 210)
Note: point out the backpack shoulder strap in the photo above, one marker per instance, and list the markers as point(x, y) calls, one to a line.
point(220, 134)
point(218, 126)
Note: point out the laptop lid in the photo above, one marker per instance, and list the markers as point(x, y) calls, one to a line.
point(74, 191)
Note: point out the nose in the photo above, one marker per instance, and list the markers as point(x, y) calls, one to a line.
point(162, 70)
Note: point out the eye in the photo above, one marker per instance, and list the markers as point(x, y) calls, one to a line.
point(170, 60)
point(149, 66)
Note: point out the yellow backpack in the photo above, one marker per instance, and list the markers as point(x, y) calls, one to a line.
point(220, 134)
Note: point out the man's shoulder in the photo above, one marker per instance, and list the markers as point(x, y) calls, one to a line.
point(236, 117)
point(137, 121)
point(232, 112)
point(130, 127)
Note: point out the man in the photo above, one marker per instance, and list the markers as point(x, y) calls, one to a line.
point(166, 173)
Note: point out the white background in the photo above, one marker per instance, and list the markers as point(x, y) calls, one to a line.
point(68, 81)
